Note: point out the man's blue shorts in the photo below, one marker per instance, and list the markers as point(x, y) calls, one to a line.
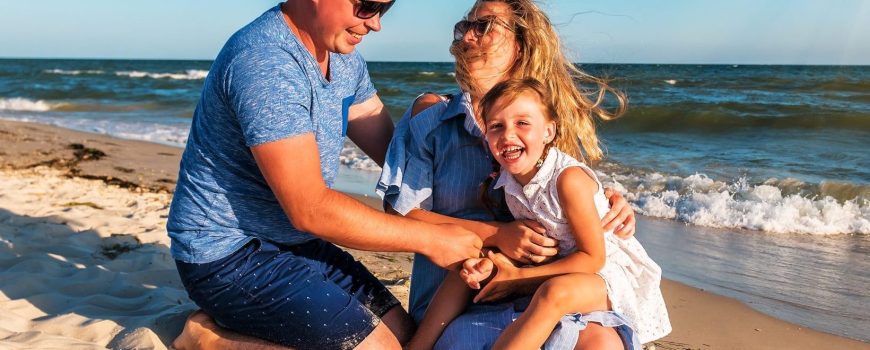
point(307, 296)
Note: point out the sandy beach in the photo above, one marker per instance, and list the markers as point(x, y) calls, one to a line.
point(85, 263)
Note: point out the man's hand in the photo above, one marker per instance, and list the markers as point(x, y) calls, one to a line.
point(451, 245)
point(620, 218)
point(525, 241)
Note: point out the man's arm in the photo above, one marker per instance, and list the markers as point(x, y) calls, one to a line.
point(291, 167)
point(370, 128)
point(516, 239)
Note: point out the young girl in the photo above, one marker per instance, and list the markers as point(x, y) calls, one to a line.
point(594, 271)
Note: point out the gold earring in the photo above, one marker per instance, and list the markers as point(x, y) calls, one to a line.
point(540, 161)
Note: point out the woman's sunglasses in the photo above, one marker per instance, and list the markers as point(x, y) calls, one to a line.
point(481, 26)
point(366, 9)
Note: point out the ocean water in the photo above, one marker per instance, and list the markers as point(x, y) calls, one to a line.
point(773, 151)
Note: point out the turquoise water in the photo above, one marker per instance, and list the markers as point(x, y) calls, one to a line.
point(769, 148)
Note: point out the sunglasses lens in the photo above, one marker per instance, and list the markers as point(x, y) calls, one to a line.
point(368, 9)
point(480, 27)
point(459, 29)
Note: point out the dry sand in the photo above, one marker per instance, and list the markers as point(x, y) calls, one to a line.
point(85, 264)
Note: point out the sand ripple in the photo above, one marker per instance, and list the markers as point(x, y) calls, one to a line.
point(85, 265)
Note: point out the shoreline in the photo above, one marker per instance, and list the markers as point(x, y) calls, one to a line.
point(34, 155)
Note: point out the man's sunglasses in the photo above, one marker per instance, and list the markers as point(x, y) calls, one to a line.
point(481, 26)
point(366, 9)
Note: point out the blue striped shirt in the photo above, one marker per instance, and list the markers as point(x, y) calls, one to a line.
point(436, 161)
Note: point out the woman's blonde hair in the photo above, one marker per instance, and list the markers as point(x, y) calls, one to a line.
point(577, 97)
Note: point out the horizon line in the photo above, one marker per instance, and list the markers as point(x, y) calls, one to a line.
point(400, 61)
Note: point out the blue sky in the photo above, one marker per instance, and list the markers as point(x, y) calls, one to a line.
point(673, 31)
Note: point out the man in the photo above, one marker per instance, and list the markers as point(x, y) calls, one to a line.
point(253, 222)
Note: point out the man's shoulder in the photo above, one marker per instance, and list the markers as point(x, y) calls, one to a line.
point(266, 27)
point(264, 39)
point(246, 61)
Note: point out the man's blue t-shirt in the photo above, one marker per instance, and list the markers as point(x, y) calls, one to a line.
point(263, 86)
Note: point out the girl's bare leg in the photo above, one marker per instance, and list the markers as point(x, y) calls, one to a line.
point(577, 292)
point(449, 301)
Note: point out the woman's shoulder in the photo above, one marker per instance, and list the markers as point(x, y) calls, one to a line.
point(426, 100)
point(424, 116)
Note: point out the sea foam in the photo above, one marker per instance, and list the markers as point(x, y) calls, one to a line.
point(190, 74)
point(354, 158)
point(23, 104)
point(700, 200)
point(72, 72)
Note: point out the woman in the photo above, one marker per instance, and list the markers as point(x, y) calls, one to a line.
point(437, 161)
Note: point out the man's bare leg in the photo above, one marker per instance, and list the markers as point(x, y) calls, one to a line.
point(202, 333)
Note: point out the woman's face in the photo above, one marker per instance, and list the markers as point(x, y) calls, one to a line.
point(488, 57)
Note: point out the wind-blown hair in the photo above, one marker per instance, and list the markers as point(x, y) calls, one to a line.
point(578, 98)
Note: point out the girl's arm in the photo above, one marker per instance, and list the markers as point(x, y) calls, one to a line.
point(449, 301)
point(576, 193)
point(576, 196)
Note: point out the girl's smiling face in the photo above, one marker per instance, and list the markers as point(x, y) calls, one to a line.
point(517, 132)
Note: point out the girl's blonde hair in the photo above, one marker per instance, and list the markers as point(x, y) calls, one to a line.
point(511, 89)
point(576, 97)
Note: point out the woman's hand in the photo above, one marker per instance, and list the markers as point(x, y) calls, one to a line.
point(504, 283)
point(620, 218)
point(524, 241)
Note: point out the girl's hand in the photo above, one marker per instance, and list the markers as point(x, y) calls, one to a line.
point(620, 216)
point(476, 271)
point(524, 241)
point(505, 282)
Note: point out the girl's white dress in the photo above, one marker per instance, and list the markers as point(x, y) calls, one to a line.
point(632, 278)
